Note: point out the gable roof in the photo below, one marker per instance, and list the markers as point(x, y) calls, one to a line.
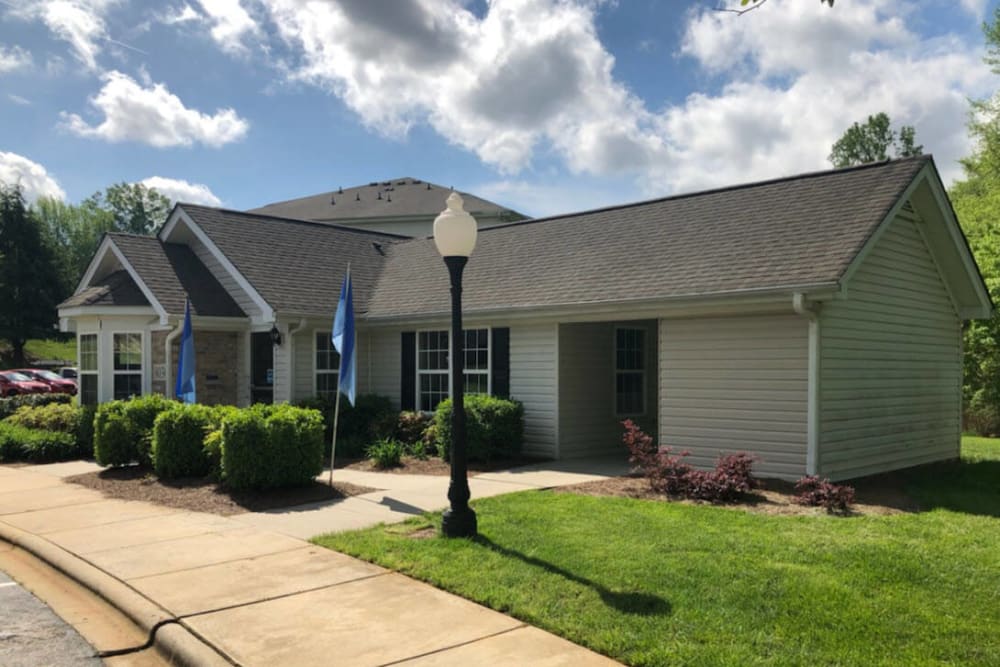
point(796, 232)
point(296, 265)
point(115, 289)
point(399, 197)
point(172, 273)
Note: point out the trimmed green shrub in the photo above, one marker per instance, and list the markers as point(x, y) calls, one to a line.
point(369, 419)
point(271, 447)
point(494, 427)
point(212, 444)
point(295, 443)
point(114, 440)
point(123, 430)
point(18, 443)
point(386, 453)
point(9, 406)
point(245, 454)
point(141, 413)
point(178, 448)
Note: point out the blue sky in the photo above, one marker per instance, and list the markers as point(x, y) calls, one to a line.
point(546, 106)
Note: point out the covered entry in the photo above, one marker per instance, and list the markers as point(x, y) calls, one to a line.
point(607, 373)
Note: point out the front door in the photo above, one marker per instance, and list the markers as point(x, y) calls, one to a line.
point(261, 368)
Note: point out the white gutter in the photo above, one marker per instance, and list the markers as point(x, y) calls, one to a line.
point(171, 337)
point(803, 307)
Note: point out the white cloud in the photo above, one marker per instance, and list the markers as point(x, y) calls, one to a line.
point(32, 177)
point(153, 115)
point(78, 22)
point(13, 58)
point(185, 14)
point(17, 99)
point(532, 77)
point(231, 24)
point(179, 190)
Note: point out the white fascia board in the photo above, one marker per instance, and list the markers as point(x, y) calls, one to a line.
point(267, 313)
point(958, 238)
point(107, 311)
point(148, 293)
point(95, 262)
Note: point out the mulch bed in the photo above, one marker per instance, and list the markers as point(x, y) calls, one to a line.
point(204, 494)
point(775, 497)
point(434, 466)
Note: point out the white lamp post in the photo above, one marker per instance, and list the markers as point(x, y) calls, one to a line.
point(455, 234)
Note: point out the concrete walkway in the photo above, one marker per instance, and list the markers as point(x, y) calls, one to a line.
point(248, 590)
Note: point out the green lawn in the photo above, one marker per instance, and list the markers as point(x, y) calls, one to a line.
point(52, 349)
point(653, 583)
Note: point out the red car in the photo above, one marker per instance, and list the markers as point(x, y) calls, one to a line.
point(12, 384)
point(57, 384)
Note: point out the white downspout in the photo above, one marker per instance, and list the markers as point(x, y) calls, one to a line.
point(171, 337)
point(802, 307)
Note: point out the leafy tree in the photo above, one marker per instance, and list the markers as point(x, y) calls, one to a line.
point(73, 232)
point(29, 283)
point(976, 200)
point(872, 141)
point(135, 208)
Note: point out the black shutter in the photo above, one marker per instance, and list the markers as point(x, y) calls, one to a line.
point(408, 379)
point(500, 362)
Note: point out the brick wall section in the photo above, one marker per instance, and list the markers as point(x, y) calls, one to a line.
point(216, 361)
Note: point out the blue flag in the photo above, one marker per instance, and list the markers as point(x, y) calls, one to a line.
point(343, 339)
point(185, 361)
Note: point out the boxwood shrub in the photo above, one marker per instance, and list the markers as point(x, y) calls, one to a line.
point(123, 430)
point(18, 443)
point(494, 427)
point(178, 448)
point(74, 420)
point(271, 446)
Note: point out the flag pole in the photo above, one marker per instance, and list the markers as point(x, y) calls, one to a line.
point(336, 417)
point(336, 407)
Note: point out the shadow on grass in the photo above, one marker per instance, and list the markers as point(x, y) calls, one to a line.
point(640, 604)
point(969, 486)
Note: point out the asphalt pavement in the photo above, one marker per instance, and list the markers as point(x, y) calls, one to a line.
point(31, 635)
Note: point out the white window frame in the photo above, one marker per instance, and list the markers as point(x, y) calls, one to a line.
point(447, 371)
point(317, 371)
point(620, 371)
point(95, 373)
point(142, 362)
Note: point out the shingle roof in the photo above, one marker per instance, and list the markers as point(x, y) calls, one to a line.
point(116, 289)
point(397, 197)
point(297, 266)
point(796, 231)
point(172, 272)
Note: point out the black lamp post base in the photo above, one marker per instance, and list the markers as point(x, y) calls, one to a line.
point(459, 524)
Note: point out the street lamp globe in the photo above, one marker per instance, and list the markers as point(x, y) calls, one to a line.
point(455, 230)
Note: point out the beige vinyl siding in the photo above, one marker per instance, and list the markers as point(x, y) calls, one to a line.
point(224, 277)
point(381, 363)
point(533, 382)
point(891, 363)
point(588, 423)
point(733, 384)
point(283, 367)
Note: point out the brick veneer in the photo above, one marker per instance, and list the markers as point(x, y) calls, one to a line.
point(216, 359)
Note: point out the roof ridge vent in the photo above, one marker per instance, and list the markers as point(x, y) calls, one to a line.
point(357, 196)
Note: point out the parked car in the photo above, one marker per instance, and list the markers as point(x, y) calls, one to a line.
point(12, 384)
point(68, 372)
point(58, 385)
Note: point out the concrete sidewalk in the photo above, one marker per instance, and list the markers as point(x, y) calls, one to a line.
point(247, 590)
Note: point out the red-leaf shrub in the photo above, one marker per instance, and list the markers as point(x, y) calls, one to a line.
point(816, 492)
point(667, 473)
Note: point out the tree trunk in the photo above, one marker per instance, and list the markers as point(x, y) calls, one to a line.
point(17, 357)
